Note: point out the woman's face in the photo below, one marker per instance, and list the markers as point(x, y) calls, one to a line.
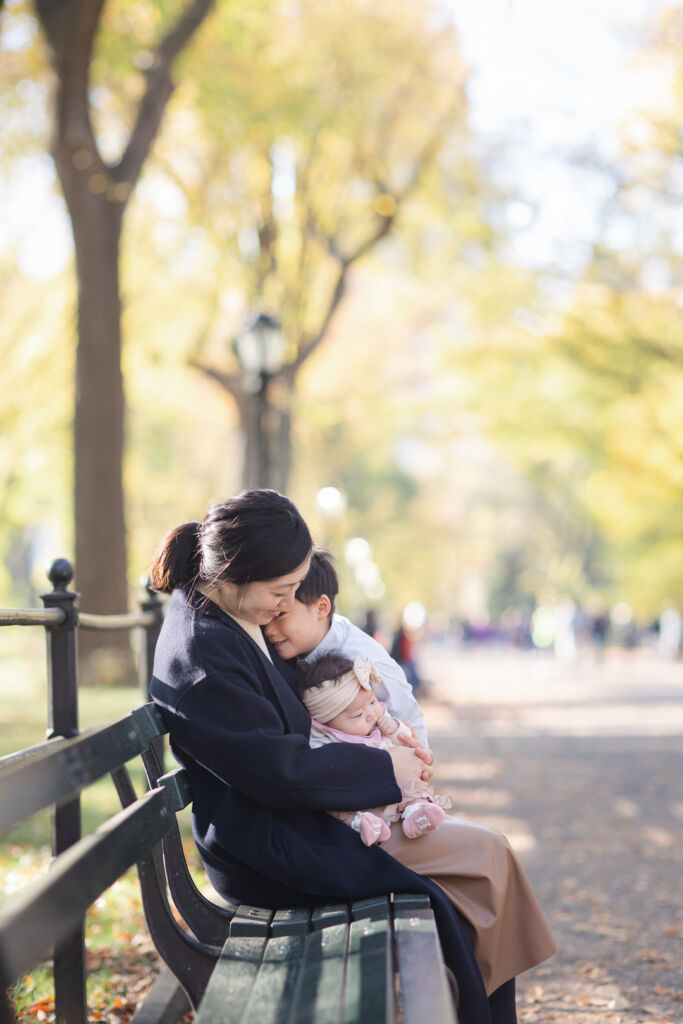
point(261, 601)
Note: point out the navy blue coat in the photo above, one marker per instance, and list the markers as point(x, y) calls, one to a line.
point(261, 793)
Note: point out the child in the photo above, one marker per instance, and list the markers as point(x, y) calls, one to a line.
point(344, 709)
point(312, 629)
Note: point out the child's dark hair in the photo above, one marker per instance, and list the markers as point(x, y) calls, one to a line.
point(257, 535)
point(320, 579)
point(328, 666)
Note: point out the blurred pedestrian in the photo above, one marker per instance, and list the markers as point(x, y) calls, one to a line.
point(599, 630)
point(402, 650)
point(670, 629)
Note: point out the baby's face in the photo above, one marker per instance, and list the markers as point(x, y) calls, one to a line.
point(360, 717)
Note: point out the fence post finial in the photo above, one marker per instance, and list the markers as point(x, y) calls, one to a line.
point(60, 573)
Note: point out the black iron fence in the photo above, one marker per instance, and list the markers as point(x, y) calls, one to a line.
point(61, 618)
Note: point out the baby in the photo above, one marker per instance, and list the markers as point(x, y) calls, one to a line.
point(344, 709)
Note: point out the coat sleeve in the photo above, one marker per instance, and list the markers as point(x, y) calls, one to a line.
point(225, 723)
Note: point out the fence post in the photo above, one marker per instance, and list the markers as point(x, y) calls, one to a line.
point(151, 603)
point(62, 676)
point(150, 635)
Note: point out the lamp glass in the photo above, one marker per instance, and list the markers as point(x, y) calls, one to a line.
point(261, 347)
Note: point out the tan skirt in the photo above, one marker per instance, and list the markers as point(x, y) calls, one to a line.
point(479, 872)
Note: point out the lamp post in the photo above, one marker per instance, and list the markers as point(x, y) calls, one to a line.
point(260, 349)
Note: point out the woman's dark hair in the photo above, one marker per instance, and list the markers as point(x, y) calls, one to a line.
point(257, 535)
point(320, 579)
point(328, 666)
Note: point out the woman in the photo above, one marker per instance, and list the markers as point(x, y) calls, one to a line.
point(260, 792)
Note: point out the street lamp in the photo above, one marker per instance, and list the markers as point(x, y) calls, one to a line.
point(260, 349)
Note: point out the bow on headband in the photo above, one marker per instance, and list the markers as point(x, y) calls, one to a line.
point(326, 701)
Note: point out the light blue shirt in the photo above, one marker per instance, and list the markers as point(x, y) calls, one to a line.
point(348, 640)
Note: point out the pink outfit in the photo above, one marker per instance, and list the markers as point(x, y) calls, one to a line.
point(321, 733)
point(373, 739)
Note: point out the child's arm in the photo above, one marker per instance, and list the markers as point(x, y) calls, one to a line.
point(398, 693)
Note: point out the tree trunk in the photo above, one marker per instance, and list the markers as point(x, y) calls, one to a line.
point(281, 450)
point(266, 425)
point(249, 407)
point(96, 194)
point(99, 433)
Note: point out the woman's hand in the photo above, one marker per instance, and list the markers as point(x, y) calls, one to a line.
point(411, 765)
point(421, 751)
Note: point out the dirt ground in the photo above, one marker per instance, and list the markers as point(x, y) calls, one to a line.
point(581, 766)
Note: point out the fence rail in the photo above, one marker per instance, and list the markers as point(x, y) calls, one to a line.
point(128, 621)
point(31, 617)
point(61, 619)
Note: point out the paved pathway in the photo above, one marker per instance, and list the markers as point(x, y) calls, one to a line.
point(582, 767)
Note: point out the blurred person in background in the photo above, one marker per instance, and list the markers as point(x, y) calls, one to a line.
point(403, 651)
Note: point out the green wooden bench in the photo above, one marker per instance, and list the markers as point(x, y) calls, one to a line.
point(372, 961)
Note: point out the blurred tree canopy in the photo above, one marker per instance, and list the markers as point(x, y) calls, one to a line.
point(496, 446)
point(321, 128)
point(589, 392)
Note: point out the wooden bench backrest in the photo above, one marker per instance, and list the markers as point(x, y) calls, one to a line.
point(46, 911)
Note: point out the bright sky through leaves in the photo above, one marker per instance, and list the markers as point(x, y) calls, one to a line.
point(556, 79)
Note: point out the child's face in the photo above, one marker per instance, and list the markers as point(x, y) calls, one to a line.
point(297, 631)
point(360, 717)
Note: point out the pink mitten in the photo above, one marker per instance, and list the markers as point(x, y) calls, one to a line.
point(421, 817)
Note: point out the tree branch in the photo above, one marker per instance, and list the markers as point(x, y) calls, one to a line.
point(669, 355)
point(384, 226)
point(609, 367)
point(160, 86)
point(307, 348)
point(230, 382)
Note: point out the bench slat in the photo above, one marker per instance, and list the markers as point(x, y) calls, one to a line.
point(56, 773)
point(369, 986)
point(275, 984)
point(425, 992)
point(232, 981)
point(320, 988)
point(411, 901)
point(322, 917)
point(50, 908)
point(250, 921)
point(291, 922)
point(376, 909)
